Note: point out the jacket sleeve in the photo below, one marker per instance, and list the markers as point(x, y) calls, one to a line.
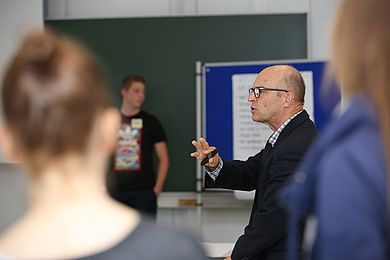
point(237, 175)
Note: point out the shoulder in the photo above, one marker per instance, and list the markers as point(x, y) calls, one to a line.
point(358, 161)
point(150, 118)
point(351, 194)
point(301, 131)
point(306, 127)
point(167, 243)
point(148, 115)
point(362, 145)
point(149, 241)
point(300, 138)
point(149, 231)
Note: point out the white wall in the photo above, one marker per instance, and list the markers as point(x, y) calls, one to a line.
point(320, 17)
point(320, 12)
point(58, 9)
point(17, 16)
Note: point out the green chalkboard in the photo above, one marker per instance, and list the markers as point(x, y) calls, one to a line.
point(164, 51)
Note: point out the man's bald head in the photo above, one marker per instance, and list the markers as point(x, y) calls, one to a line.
point(282, 77)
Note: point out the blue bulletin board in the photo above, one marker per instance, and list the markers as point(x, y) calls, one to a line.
point(217, 107)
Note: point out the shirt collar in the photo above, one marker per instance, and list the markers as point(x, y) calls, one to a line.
point(274, 137)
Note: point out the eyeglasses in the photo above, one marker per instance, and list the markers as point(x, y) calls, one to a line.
point(257, 90)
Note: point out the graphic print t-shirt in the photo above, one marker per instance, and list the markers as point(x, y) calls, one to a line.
point(133, 167)
point(128, 150)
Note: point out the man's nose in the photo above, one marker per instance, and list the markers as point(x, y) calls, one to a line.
point(251, 98)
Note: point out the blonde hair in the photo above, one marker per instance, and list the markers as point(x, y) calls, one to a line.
point(361, 54)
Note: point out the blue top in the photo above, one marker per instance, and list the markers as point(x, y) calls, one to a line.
point(342, 183)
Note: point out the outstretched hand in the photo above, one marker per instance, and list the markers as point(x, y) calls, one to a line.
point(202, 150)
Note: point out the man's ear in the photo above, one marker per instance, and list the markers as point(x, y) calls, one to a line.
point(289, 99)
point(8, 146)
point(123, 92)
point(109, 126)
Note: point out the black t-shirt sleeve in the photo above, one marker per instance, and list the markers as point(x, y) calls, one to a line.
point(157, 131)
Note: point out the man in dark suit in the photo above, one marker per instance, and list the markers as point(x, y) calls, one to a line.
point(276, 99)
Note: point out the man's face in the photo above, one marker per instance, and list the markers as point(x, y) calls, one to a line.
point(134, 95)
point(267, 107)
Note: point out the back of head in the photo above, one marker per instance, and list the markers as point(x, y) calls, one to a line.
point(361, 55)
point(51, 94)
point(361, 45)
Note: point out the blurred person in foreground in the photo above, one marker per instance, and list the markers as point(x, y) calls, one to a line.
point(341, 189)
point(59, 126)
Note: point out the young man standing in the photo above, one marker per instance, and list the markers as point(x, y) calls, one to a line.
point(134, 180)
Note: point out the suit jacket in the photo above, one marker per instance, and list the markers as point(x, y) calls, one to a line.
point(265, 235)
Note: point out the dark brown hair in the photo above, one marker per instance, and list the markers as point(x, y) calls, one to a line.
point(128, 80)
point(51, 94)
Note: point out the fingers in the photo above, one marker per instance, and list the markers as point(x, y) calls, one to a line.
point(202, 148)
point(199, 151)
point(197, 145)
point(201, 145)
point(195, 154)
point(204, 144)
